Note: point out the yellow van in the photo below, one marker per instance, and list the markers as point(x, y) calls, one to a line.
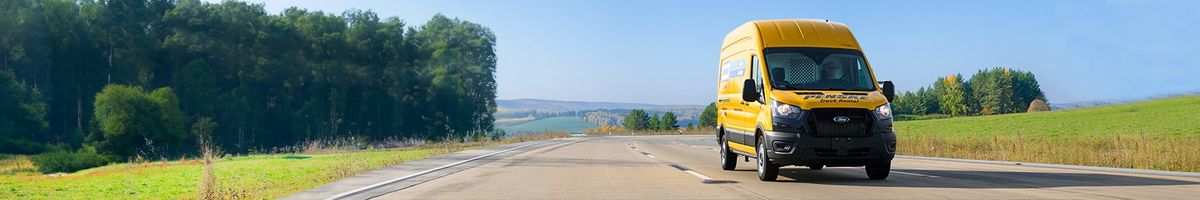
point(800, 92)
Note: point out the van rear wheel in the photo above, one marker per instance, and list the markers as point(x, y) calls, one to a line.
point(728, 158)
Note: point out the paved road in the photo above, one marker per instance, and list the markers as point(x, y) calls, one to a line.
point(672, 167)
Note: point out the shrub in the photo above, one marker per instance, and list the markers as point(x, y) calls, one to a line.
point(67, 162)
point(132, 121)
point(8, 145)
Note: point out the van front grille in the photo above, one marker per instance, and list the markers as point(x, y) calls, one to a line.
point(823, 124)
point(861, 152)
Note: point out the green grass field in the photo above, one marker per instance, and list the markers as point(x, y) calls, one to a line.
point(257, 177)
point(242, 177)
point(568, 124)
point(1157, 134)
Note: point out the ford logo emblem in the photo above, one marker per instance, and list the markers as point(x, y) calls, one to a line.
point(841, 119)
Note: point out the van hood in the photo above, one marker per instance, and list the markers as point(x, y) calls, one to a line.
point(810, 99)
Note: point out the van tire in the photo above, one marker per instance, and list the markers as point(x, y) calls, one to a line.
point(879, 171)
point(767, 171)
point(728, 158)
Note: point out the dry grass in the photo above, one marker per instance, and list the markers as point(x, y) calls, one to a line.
point(1130, 151)
point(17, 165)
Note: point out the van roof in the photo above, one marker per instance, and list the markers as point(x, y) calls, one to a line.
point(795, 33)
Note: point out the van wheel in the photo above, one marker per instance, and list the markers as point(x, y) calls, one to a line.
point(879, 171)
point(767, 171)
point(728, 158)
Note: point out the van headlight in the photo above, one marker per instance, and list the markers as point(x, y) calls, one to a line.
point(884, 111)
point(783, 110)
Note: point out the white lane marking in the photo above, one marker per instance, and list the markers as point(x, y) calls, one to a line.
point(372, 186)
point(915, 174)
point(701, 176)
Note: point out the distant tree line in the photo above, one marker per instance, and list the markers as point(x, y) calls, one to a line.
point(600, 117)
point(989, 91)
point(639, 120)
point(127, 76)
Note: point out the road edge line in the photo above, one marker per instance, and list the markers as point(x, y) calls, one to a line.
point(376, 185)
point(1060, 166)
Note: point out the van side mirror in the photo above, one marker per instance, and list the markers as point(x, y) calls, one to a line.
point(889, 90)
point(749, 91)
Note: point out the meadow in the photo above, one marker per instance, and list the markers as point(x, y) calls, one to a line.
point(265, 176)
point(1159, 134)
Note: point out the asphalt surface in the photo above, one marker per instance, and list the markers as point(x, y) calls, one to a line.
point(688, 167)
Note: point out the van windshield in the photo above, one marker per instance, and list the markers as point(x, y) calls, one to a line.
point(818, 69)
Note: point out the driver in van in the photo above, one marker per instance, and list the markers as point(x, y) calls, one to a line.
point(831, 75)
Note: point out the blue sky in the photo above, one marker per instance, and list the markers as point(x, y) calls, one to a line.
point(665, 52)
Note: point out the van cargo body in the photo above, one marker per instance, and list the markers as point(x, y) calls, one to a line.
point(801, 92)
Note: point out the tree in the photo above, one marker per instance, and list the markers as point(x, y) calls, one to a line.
point(952, 95)
point(1025, 90)
point(270, 80)
point(906, 103)
point(132, 121)
point(636, 120)
point(993, 91)
point(667, 121)
point(654, 123)
point(22, 117)
point(197, 88)
point(708, 118)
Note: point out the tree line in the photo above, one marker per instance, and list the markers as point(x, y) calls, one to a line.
point(640, 120)
point(125, 76)
point(989, 91)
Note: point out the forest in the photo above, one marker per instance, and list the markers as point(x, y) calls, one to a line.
point(989, 91)
point(132, 77)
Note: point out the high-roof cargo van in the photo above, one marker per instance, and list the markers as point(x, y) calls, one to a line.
point(801, 92)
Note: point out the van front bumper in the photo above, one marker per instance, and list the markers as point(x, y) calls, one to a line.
point(792, 148)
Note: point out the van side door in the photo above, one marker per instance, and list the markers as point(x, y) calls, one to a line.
point(753, 108)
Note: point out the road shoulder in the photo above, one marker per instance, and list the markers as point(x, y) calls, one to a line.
point(382, 181)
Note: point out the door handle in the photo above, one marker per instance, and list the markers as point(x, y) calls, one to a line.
point(726, 99)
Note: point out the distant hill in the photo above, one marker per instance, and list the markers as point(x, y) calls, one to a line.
point(519, 115)
point(517, 105)
point(1085, 104)
point(568, 124)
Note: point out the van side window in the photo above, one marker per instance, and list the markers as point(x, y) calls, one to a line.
point(733, 68)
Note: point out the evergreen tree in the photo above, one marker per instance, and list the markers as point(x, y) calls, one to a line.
point(636, 120)
point(667, 121)
point(654, 123)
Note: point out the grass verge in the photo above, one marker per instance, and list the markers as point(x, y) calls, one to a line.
point(242, 177)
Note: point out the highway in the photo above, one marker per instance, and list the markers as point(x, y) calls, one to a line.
point(687, 167)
